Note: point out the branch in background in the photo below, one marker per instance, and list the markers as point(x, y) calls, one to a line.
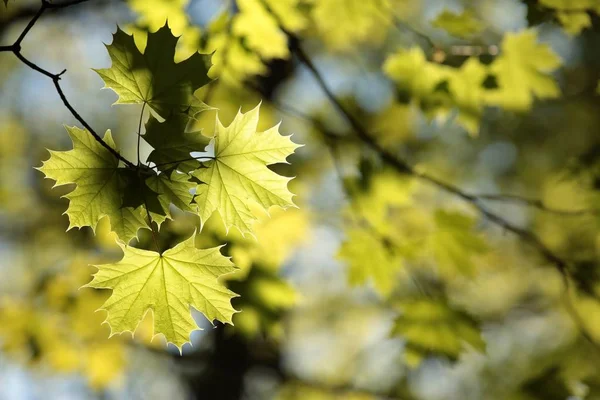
point(535, 203)
point(402, 166)
point(15, 48)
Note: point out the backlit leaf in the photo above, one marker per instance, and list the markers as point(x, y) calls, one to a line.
point(168, 284)
point(99, 184)
point(239, 175)
point(153, 77)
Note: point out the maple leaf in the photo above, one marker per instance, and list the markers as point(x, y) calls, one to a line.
point(289, 14)
point(412, 71)
point(260, 30)
point(369, 258)
point(155, 13)
point(523, 71)
point(574, 22)
point(461, 25)
point(573, 14)
point(455, 243)
point(168, 284)
point(99, 184)
point(153, 77)
point(355, 21)
point(239, 174)
point(431, 327)
point(173, 144)
point(466, 87)
point(174, 188)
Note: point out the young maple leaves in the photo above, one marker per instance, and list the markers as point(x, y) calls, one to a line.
point(237, 175)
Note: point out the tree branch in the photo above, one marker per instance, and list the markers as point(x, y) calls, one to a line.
point(404, 167)
point(15, 48)
point(535, 203)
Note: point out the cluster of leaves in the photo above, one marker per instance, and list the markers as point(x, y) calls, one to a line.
point(169, 282)
point(64, 333)
point(400, 241)
point(521, 72)
point(573, 15)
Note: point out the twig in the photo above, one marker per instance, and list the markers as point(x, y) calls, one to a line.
point(184, 160)
point(139, 133)
point(403, 166)
point(15, 48)
point(535, 203)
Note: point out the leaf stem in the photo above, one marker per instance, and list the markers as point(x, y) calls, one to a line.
point(184, 160)
point(139, 133)
point(150, 222)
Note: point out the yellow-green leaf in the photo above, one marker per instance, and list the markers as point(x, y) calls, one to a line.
point(99, 184)
point(174, 188)
point(574, 21)
point(239, 175)
point(431, 328)
point(523, 71)
point(153, 77)
point(411, 70)
point(168, 284)
point(173, 144)
point(369, 258)
point(461, 25)
point(260, 30)
point(467, 91)
point(455, 242)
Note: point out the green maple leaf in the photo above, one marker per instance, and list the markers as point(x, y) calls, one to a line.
point(369, 258)
point(173, 144)
point(465, 85)
point(173, 188)
point(99, 184)
point(523, 71)
point(153, 77)
point(455, 243)
point(432, 328)
point(168, 284)
point(461, 25)
point(239, 175)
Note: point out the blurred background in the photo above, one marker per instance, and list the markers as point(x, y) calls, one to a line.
point(380, 285)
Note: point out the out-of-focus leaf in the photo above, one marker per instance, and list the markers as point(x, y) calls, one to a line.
point(461, 25)
point(523, 72)
point(432, 328)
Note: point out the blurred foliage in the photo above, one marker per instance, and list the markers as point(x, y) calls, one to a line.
point(380, 285)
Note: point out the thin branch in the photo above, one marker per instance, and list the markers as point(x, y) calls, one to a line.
point(403, 166)
point(139, 133)
point(184, 160)
point(150, 223)
point(535, 203)
point(400, 25)
point(16, 50)
point(17, 44)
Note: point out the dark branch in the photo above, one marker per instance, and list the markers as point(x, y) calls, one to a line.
point(535, 203)
point(16, 50)
point(403, 166)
